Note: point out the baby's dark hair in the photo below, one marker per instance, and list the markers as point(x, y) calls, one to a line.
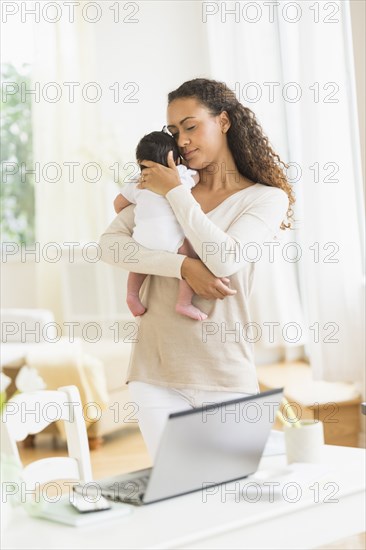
point(156, 146)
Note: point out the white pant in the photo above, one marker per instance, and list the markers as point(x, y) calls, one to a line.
point(155, 403)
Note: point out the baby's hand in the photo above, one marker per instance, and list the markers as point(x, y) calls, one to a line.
point(119, 203)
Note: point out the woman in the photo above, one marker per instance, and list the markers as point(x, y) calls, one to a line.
point(242, 197)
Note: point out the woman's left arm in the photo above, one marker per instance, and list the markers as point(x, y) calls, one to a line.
point(223, 252)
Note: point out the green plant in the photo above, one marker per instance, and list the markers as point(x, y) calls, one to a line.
point(17, 198)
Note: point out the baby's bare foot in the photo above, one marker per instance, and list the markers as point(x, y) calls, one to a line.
point(135, 305)
point(190, 311)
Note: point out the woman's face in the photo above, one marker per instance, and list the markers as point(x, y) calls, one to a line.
point(200, 136)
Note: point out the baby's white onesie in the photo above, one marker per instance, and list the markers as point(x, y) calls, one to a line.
point(156, 226)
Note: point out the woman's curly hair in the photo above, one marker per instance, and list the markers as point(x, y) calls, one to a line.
point(253, 155)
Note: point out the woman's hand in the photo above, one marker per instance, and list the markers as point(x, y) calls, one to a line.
point(203, 282)
point(159, 178)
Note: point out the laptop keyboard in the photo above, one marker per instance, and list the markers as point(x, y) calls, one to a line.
point(130, 491)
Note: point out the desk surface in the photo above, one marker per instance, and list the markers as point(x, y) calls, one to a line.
point(222, 520)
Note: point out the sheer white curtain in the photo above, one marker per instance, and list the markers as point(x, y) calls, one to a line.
point(324, 136)
point(247, 56)
point(318, 133)
point(67, 131)
point(71, 191)
point(138, 56)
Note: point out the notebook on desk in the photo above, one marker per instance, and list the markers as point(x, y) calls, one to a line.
point(61, 511)
point(201, 447)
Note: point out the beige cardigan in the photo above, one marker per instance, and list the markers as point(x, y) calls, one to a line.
point(176, 351)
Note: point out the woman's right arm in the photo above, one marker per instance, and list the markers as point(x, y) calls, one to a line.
point(121, 250)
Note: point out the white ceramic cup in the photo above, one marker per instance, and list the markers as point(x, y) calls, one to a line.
point(304, 444)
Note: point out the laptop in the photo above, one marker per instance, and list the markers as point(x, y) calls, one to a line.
point(201, 447)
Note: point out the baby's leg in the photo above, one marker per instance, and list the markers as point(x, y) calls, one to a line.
point(134, 283)
point(187, 249)
point(184, 304)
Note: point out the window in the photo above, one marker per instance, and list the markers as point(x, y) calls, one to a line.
point(17, 195)
point(17, 186)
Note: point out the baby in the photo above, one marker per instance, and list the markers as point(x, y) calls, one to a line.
point(156, 226)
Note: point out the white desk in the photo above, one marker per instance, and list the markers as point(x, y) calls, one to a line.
point(188, 522)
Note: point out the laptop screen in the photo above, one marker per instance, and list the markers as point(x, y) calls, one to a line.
point(212, 444)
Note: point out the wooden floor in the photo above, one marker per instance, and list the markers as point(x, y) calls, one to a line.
point(358, 542)
point(125, 451)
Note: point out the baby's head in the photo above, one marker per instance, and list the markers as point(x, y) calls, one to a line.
point(156, 146)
